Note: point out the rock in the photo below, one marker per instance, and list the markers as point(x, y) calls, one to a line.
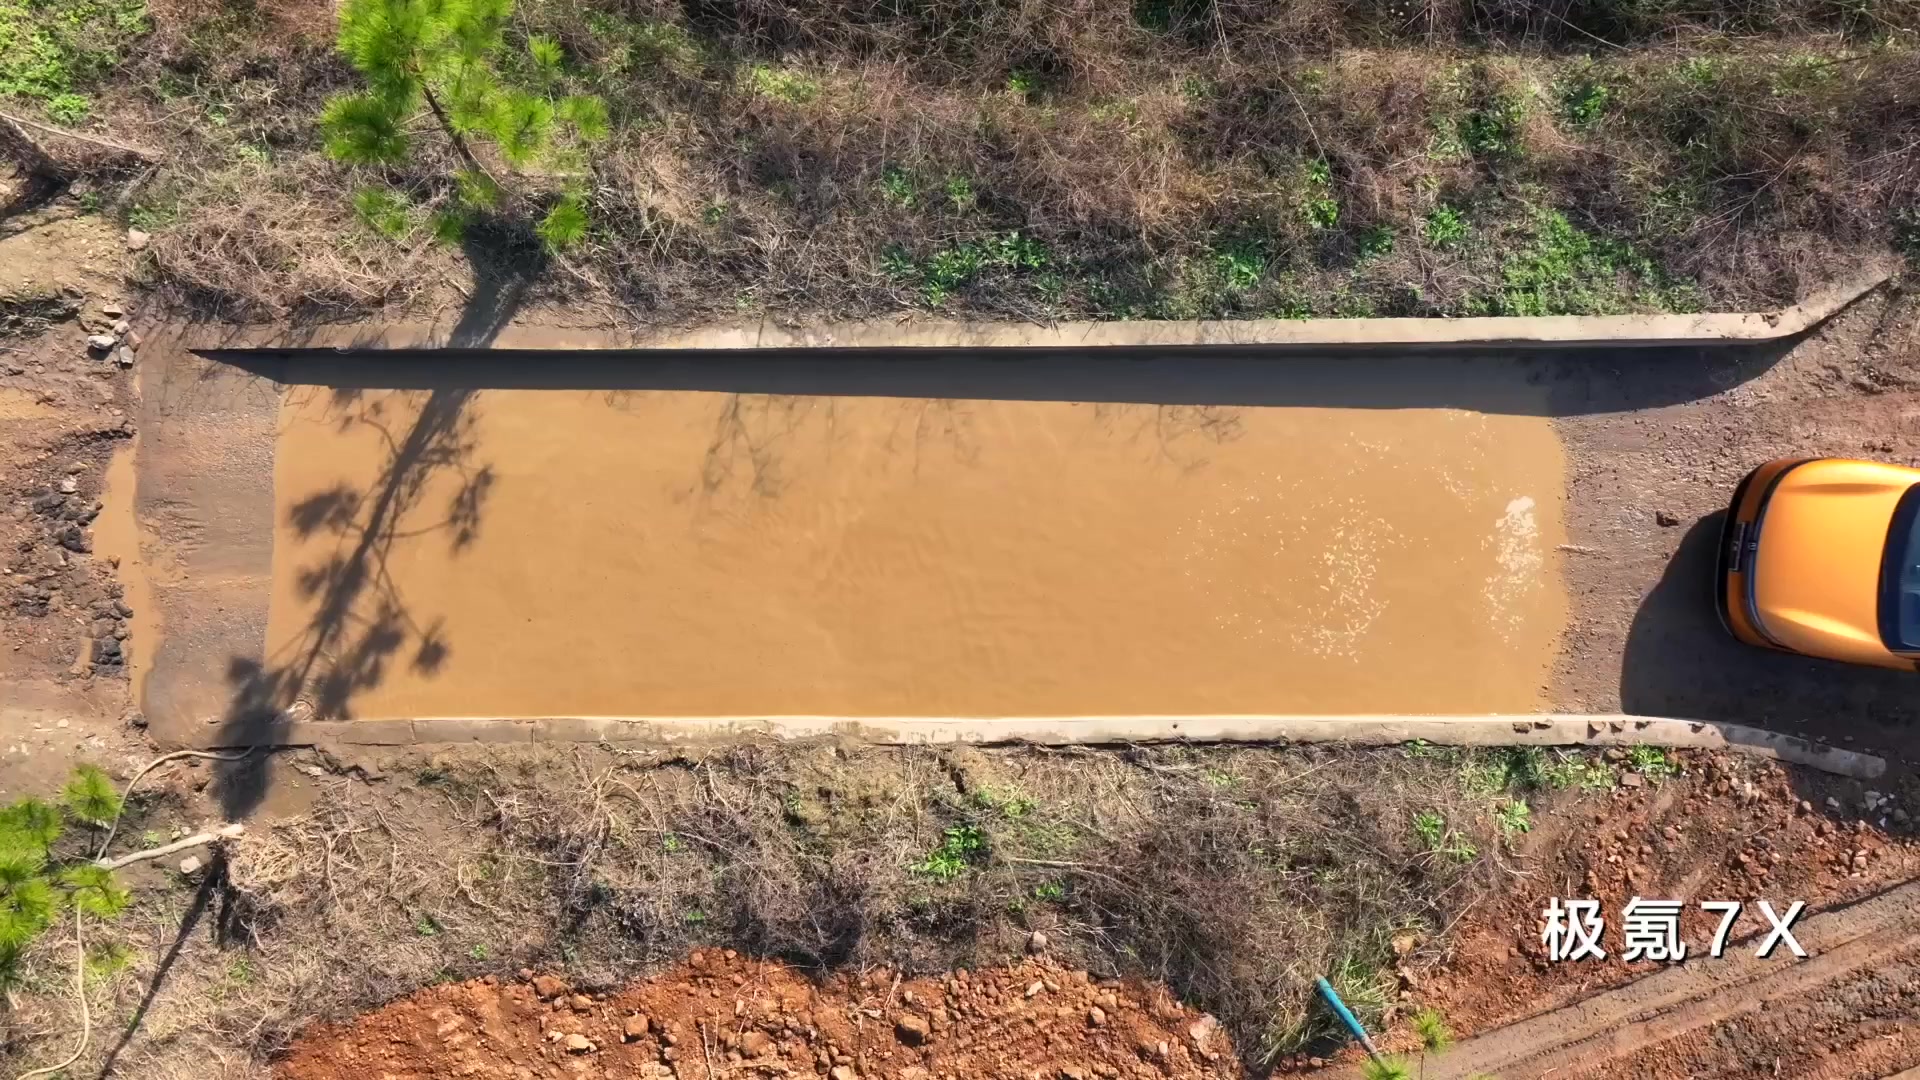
point(1201, 1032)
point(633, 1028)
point(101, 342)
point(579, 1044)
point(1037, 941)
point(112, 311)
point(1632, 780)
point(1096, 1017)
point(1666, 519)
point(120, 327)
point(755, 1044)
point(123, 356)
point(190, 865)
point(314, 771)
point(912, 1029)
point(843, 1072)
point(137, 239)
point(1034, 987)
point(580, 1002)
point(1072, 1072)
point(69, 485)
point(136, 718)
point(546, 986)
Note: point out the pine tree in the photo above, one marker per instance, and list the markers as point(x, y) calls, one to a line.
point(35, 883)
point(444, 55)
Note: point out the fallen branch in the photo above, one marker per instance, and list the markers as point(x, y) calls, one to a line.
point(127, 792)
point(19, 122)
point(229, 831)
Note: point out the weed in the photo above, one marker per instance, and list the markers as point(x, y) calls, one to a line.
point(1652, 762)
point(1318, 208)
point(960, 848)
point(478, 952)
point(1021, 84)
point(1049, 890)
point(1510, 768)
point(1430, 828)
point(426, 925)
point(1445, 227)
point(1513, 816)
point(1386, 1068)
point(895, 263)
point(69, 109)
point(1009, 804)
point(1564, 270)
point(240, 970)
point(1906, 233)
point(1493, 131)
point(105, 959)
point(1015, 251)
point(950, 268)
point(1241, 265)
point(1432, 1028)
point(1583, 102)
point(1578, 772)
point(383, 211)
point(959, 191)
point(694, 917)
point(897, 187)
point(50, 47)
point(781, 84)
point(1195, 88)
point(1703, 72)
point(1374, 241)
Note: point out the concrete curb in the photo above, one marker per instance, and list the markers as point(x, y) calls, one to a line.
point(914, 333)
point(1490, 730)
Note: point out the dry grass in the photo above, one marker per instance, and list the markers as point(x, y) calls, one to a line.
point(1176, 158)
point(1234, 875)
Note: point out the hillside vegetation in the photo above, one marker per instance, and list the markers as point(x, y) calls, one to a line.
point(1014, 158)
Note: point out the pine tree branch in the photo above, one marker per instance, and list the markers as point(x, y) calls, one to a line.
point(459, 140)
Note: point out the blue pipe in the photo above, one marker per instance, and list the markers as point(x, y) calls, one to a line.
point(1346, 1016)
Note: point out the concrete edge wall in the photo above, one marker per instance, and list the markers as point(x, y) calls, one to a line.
point(1380, 730)
point(914, 332)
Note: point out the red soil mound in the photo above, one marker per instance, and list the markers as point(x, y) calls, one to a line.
point(721, 1016)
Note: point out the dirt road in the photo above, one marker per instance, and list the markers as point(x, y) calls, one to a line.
point(1652, 434)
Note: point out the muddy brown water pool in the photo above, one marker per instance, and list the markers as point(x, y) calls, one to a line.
point(538, 552)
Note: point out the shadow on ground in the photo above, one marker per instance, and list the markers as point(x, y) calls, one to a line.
point(1557, 383)
point(1679, 661)
point(361, 623)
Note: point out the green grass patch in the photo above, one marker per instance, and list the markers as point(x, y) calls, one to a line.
point(960, 849)
point(1559, 268)
point(51, 48)
point(782, 84)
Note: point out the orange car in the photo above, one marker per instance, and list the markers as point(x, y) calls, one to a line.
point(1821, 556)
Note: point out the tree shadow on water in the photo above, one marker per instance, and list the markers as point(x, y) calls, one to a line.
point(359, 623)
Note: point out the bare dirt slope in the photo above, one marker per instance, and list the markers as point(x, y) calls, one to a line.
point(721, 1015)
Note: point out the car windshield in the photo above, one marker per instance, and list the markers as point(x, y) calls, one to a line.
point(1900, 577)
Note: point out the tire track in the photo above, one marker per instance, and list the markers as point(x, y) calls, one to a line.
point(1580, 1039)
